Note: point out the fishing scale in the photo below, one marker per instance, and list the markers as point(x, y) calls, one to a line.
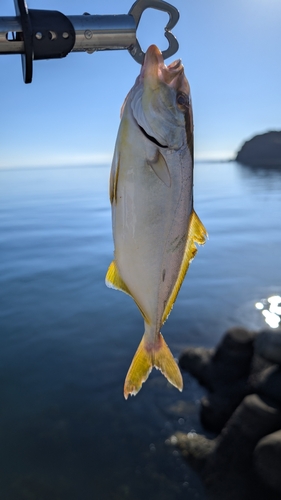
point(49, 34)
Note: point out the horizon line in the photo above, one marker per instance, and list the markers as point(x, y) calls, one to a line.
point(105, 160)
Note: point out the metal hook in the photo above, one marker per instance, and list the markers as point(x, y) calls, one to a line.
point(137, 10)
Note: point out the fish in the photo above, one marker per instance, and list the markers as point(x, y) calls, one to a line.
point(155, 227)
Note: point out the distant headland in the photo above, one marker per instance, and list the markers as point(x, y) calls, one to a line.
point(263, 150)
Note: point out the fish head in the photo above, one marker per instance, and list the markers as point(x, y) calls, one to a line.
point(161, 103)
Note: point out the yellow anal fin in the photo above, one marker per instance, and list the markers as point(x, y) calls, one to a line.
point(114, 280)
point(196, 234)
point(146, 357)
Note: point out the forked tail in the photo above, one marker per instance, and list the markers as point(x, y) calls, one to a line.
point(147, 356)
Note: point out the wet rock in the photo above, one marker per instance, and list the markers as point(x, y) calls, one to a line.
point(268, 345)
point(267, 460)
point(268, 383)
point(228, 363)
point(233, 355)
point(244, 405)
point(224, 372)
point(194, 447)
point(217, 408)
point(258, 364)
point(225, 463)
point(254, 418)
point(196, 360)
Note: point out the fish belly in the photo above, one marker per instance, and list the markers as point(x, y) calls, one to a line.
point(150, 223)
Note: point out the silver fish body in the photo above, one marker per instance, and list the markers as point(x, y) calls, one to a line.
point(151, 191)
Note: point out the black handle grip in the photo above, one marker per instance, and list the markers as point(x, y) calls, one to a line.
point(47, 34)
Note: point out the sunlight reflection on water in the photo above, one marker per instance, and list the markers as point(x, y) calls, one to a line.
point(271, 310)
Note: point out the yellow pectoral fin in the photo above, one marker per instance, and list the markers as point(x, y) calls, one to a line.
point(145, 359)
point(196, 234)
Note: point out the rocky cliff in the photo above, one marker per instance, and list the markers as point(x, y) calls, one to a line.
point(262, 150)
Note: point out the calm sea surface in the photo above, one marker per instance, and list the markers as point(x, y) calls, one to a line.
point(66, 341)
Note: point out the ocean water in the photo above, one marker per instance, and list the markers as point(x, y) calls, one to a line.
point(66, 341)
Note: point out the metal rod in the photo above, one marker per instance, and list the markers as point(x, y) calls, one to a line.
point(103, 32)
point(8, 26)
point(91, 33)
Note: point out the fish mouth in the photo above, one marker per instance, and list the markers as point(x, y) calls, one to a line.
point(151, 138)
point(154, 68)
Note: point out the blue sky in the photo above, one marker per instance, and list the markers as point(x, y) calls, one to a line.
point(231, 50)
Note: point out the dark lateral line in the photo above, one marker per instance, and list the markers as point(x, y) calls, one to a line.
point(152, 139)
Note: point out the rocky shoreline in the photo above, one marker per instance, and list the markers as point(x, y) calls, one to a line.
point(243, 407)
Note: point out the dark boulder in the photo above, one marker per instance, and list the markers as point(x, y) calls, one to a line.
point(224, 371)
point(268, 383)
point(268, 345)
point(243, 375)
point(267, 460)
point(225, 463)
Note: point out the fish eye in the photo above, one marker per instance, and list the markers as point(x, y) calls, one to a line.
point(182, 99)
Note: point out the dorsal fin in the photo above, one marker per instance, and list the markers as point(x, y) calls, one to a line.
point(196, 234)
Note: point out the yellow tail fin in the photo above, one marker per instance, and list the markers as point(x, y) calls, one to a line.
point(145, 359)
